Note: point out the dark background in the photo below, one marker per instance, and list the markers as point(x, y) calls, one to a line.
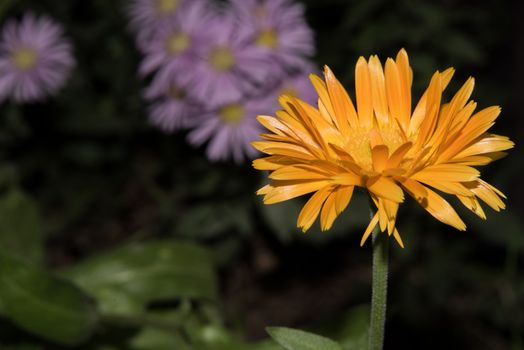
point(85, 173)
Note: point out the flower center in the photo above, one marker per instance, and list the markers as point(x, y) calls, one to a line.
point(222, 58)
point(178, 42)
point(25, 58)
point(267, 38)
point(165, 7)
point(176, 93)
point(233, 113)
point(358, 143)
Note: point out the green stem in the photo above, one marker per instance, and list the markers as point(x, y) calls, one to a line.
point(379, 288)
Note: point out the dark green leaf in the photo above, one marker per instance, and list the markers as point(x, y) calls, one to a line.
point(294, 339)
point(150, 272)
point(20, 226)
point(43, 304)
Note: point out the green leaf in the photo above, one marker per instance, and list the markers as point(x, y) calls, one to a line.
point(149, 272)
point(43, 304)
point(294, 339)
point(20, 226)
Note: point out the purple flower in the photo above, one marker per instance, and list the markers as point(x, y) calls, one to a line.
point(298, 85)
point(35, 58)
point(171, 109)
point(173, 46)
point(230, 129)
point(146, 15)
point(279, 28)
point(228, 68)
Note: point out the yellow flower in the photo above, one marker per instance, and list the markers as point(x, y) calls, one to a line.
point(382, 146)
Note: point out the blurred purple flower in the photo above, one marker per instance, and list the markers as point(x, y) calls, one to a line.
point(173, 46)
point(299, 85)
point(171, 110)
point(230, 129)
point(279, 28)
point(146, 15)
point(228, 68)
point(35, 58)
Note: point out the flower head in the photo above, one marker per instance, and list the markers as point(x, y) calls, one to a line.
point(299, 86)
point(230, 129)
point(174, 45)
point(35, 58)
point(279, 29)
point(148, 14)
point(382, 146)
point(228, 68)
point(171, 109)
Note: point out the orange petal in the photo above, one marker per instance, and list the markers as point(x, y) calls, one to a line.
point(473, 204)
point(284, 192)
point(363, 92)
point(447, 172)
point(398, 239)
point(369, 229)
point(342, 197)
point(385, 188)
point(298, 172)
point(441, 210)
point(378, 90)
point(379, 155)
point(397, 156)
point(311, 209)
point(329, 213)
point(345, 114)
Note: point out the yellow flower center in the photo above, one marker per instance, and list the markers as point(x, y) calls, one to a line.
point(178, 42)
point(222, 58)
point(232, 113)
point(358, 143)
point(267, 38)
point(25, 58)
point(165, 7)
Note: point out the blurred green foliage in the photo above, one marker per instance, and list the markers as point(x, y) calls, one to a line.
point(115, 236)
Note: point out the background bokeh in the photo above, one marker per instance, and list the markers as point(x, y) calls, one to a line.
point(88, 187)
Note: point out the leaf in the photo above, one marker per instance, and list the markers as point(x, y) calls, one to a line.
point(20, 226)
point(155, 271)
point(43, 304)
point(293, 339)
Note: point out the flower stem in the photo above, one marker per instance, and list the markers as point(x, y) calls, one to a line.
point(379, 287)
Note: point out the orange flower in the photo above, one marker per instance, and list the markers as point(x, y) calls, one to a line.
point(382, 146)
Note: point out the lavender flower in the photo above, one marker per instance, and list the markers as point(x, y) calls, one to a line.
point(230, 129)
point(35, 58)
point(147, 14)
point(173, 46)
point(299, 85)
point(279, 28)
point(171, 109)
point(228, 68)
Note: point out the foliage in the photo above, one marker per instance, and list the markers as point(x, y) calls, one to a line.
point(115, 236)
